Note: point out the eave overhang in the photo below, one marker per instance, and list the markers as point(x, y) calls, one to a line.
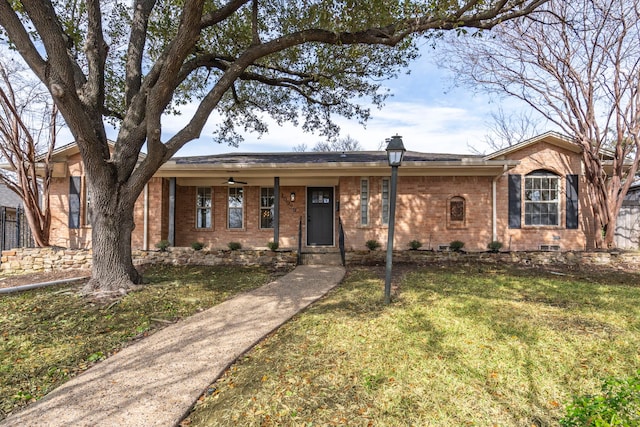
point(240, 171)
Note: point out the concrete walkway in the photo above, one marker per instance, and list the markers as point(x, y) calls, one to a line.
point(155, 381)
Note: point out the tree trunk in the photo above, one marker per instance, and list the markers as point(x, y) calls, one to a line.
point(112, 271)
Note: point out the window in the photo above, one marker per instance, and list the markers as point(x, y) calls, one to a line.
point(87, 205)
point(541, 199)
point(266, 207)
point(364, 201)
point(385, 201)
point(203, 207)
point(235, 207)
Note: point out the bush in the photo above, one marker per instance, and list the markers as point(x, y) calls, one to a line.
point(162, 245)
point(494, 246)
point(234, 246)
point(415, 245)
point(273, 246)
point(456, 246)
point(196, 246)
point(372, 244)
point(617, 405)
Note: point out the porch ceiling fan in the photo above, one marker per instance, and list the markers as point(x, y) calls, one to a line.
point(232, 181)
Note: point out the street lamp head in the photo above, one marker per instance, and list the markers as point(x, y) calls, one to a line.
point(395, 150)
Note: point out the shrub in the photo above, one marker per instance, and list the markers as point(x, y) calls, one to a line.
point(617, 405)
point(234, 246)
point(162, 245)
point(273, 246)
point(196, 246)
point(415, 245)
point(372, 244)
point(494, 246)
point(456, 246)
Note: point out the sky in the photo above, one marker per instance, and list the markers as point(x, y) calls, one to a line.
point(424, 108)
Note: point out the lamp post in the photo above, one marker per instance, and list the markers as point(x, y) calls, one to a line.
point(395, 153)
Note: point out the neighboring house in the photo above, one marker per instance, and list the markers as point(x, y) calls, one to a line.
point(628, 223)
point(528, 197)
point(9, 199)
point(10, 203)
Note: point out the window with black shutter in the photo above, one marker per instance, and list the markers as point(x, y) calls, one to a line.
point(572, 202)
point(74, 201)
point(515, 204)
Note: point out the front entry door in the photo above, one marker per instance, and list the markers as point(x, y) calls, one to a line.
point(320, 216)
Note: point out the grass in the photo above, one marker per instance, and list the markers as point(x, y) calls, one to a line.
point(51, 334)
point(461, 345)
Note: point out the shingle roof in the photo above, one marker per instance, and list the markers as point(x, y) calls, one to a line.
point(317, 157)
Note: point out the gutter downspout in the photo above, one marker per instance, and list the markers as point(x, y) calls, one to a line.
point(494, 204)
point(145, 231)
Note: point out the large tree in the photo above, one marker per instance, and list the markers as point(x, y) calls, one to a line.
point(578, 65)
point(134, 61)
point(28, 126)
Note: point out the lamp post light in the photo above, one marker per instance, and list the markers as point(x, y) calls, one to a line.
point(395, 153)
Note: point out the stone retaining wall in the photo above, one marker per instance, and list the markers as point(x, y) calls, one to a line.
point(28, 260)
point(617, 259)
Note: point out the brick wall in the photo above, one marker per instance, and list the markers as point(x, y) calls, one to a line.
point(421, 212)
point(251, 235)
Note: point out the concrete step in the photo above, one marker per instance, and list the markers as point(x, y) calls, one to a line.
point(326, 258)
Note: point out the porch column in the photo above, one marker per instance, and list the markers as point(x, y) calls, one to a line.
point(172, 212)
point(276, 209)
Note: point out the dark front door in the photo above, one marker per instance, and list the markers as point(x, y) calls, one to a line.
point(319, 216)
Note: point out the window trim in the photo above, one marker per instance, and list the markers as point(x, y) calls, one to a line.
point(229, 208)
point(201, 208)
point(453, 223)
point(265, 208)
point(384, 201)
point(365, 197)
point(557, 202)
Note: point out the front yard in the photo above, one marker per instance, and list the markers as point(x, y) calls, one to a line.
point(461, 345)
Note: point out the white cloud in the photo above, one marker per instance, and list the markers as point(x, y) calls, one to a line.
point(424, 128)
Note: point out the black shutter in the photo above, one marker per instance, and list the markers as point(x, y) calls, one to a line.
point(74, 202)
point(515, 204)
point(572, 201)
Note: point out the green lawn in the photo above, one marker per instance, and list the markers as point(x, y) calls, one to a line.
point(460, 346)
point(51, 334)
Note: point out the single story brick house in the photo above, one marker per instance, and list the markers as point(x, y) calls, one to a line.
point(528, 197)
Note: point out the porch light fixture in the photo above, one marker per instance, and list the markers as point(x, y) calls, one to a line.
point(395, 153)
point(292, 196)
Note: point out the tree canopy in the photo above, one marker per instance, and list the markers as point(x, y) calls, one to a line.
point(134, 62)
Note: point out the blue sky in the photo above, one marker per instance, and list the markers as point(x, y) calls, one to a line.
point(430, 115)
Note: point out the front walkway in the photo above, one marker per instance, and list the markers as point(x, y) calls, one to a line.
point(155, 381)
